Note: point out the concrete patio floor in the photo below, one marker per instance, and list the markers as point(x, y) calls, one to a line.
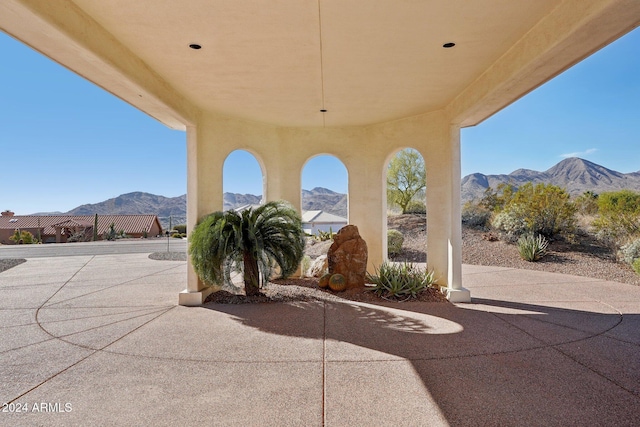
point(100, 340)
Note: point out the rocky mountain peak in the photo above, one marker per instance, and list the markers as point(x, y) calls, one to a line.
point(574, 174)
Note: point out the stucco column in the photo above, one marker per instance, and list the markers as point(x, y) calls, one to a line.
point(444, 228)
point(283, 169)
point(367, 186)
point(204, 195)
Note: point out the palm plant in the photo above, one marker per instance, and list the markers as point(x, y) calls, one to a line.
point(253, 241)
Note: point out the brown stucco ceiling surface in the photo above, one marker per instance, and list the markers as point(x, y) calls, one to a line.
point(283, 61)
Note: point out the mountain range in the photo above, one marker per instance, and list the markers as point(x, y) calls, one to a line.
point(140, 203)
point(575, 175)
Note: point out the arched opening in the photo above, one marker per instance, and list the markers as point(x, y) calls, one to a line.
point(242, 181)
point(406, 214)
point(325, 200)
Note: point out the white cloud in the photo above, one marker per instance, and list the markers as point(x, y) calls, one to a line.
point(579, 153)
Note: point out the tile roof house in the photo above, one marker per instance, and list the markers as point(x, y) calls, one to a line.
point(317, 220)
point(58, 228)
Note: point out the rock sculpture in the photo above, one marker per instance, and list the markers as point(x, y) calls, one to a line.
point(348, 256)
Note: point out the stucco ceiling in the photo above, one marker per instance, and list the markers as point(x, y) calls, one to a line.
point(283, 61)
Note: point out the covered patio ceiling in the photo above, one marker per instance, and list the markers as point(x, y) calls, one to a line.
point(283, 62)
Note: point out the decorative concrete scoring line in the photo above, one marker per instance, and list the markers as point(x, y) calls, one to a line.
point(556, 347)
point(108, 287)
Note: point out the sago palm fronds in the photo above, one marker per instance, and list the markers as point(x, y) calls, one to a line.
point(253, 241)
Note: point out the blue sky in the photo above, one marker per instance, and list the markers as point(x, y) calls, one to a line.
point(66, 142)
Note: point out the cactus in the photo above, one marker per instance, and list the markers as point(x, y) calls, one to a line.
point(324, 281)
point(95, 228)
point(337, 283)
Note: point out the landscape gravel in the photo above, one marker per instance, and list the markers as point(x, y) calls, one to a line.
point(6, 264)
point(585, 258)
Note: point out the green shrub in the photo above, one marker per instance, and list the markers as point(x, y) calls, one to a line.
point(541, 209)
point(254, 241)
point(587, 203)
point(176, 236)
point(630, 252)
point(532, 248)
point(618, 217)
point(474, 215)
point(495, 200)
point(511, 223)
point(394, 242)
point(400, 282)
point(636, 266)
point(323, 236)
point(415, 207)
point(23, 237)
point(181, 228)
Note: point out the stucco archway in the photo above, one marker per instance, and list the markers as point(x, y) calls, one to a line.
point(244, 173)
point(420, 197)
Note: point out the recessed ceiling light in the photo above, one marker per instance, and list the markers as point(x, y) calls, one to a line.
point(195, 46)
point(448, 45)
point(323, 111)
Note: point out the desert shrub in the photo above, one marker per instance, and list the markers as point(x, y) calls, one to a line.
point(176, 236)
point(415, 207)
point(495, 200)
point(395, 239)
point(541, 209)
point(474, 215)
point(181, 228)
point(510, 223)
point(400, 281)
point(618, 217)
point(636, 266)
point(630, 252)
point(80, 236)
point(23, 237)
point(323, 236)
point(532, 248)
point(110, 234)
point(587, 203)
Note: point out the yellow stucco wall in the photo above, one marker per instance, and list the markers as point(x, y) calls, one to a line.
point(364, 151)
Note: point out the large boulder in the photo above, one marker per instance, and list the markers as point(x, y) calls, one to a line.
point(348, 256)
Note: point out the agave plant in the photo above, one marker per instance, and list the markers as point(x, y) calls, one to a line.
point(532, 248)
point(253, 241)
point(400, 281)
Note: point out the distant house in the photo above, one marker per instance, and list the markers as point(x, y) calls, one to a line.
point(314, 221)
point(58, 228)
point(243, 208)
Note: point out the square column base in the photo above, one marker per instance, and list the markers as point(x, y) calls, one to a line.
point(457, 295)
point(194, 299)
